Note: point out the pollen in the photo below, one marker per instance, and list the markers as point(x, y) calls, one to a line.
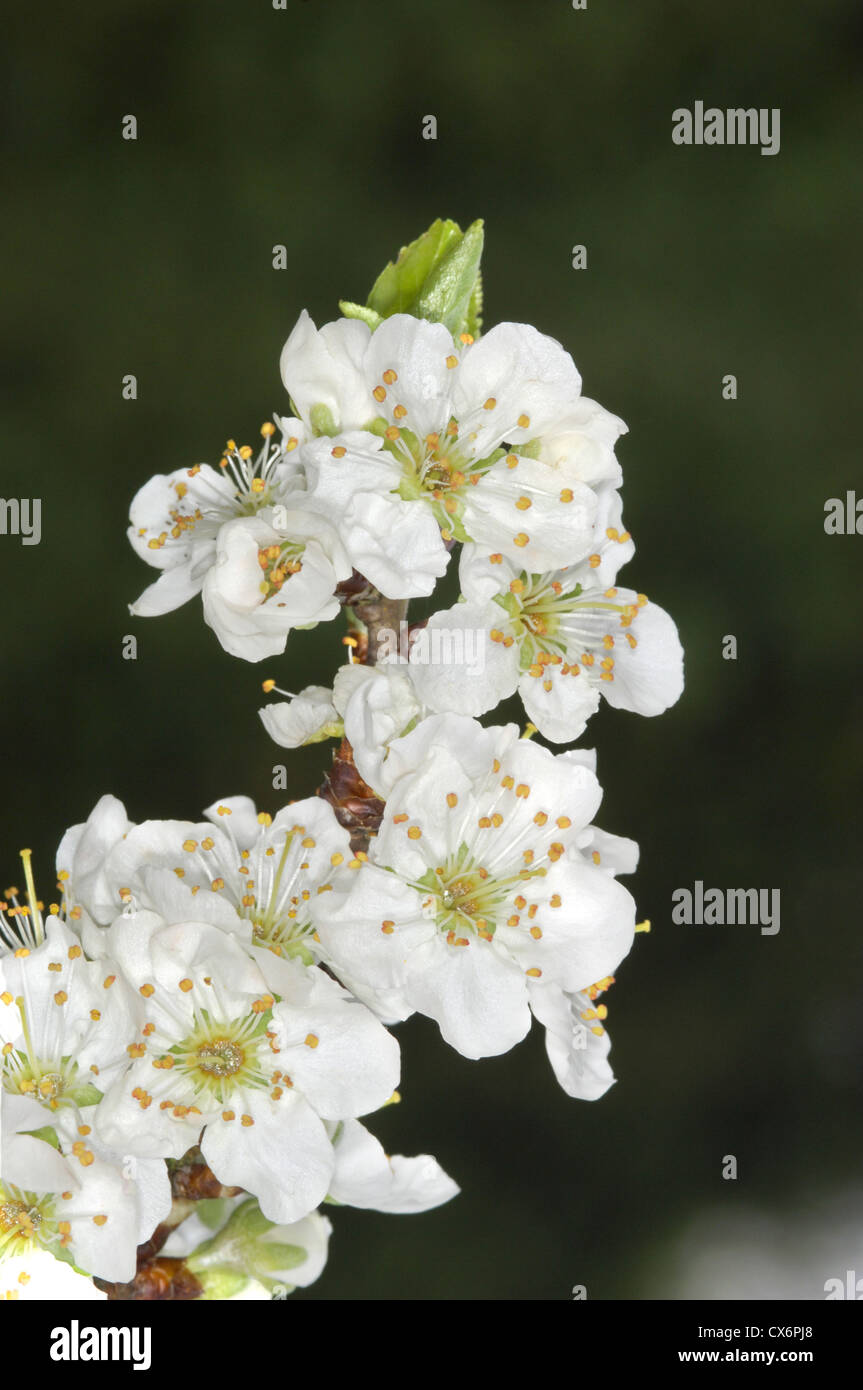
point(414, 833)
point(452, 361)
point(311, 1040)
point(451, 799)
point(522, 539)
point(186, 985)
point(380, 393)
point(390, 376)
point(147, 990)
point(489, 404)
point(523, 421)
point(523, 503)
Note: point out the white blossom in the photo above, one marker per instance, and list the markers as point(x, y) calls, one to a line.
point(306, 718)
point(562, 640)
point(475, 886)
point(175, 518)
point(273, 572)
point(489, 438)
point(253, 1076)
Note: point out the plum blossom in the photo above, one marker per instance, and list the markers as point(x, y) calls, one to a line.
point(562, 639)
point(490, 438)
point(476, 887)
point(254, 1077)
point(273, 572)
point(175, 518)
point(308, 717)
point(74, 1205)
point(246, 872)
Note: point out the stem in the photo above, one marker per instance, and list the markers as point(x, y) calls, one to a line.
point(377, 614)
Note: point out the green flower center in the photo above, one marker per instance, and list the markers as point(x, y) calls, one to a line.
point(218, 1058)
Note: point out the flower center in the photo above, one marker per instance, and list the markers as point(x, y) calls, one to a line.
point(279, 563)
point(220, 1058)
point(468, 899)
point(21, 1218)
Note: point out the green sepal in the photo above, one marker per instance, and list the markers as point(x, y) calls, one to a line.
point(47, 1133)
point(322, 421)
point(212, 1211)
point(360, 311)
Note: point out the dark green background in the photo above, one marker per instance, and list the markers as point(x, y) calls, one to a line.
point(302, 127)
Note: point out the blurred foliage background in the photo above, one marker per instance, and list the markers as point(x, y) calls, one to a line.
point(303, 127)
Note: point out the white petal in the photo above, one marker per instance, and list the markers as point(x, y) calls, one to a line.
point(324, 367)
point(417, 351)
point(477, 996)
point(306, 718)
point(561, 713)
point(579, 1057)
point(525, 374)
point(457, 667)
point(285, 1159)
point(337, 1054)
point(366, 1177)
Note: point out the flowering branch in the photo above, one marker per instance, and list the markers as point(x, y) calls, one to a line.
point(193, 1031)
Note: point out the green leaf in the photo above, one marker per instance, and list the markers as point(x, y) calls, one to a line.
point(399, 285)
point(446, 295)
point(436, 277)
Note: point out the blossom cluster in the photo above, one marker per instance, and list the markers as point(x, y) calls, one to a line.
point(185, 1014)
point(221, 992)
